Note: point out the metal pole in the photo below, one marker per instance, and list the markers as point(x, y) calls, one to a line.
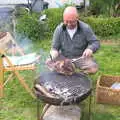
point(38, 110)
point(30, 6)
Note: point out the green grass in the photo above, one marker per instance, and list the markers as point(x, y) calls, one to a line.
point(115, 38)
point(17, 104)
point(108, 58)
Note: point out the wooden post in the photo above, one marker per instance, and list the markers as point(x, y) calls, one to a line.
point(85, 8)
point(1, 76)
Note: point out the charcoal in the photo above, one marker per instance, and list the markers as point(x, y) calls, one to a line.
point(65, 89)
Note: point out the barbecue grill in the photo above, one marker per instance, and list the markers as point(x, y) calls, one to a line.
point(58, 89)
point(62, 89)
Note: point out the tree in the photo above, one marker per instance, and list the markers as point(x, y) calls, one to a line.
point(107, 7)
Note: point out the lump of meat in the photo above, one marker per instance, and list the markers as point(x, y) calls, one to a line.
point(62, 65)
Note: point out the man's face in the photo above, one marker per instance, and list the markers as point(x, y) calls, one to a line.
point(70, 17)
point(70, 22)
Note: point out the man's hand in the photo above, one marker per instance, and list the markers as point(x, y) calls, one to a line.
point(54, 53)
point(87, 53)
point(48, 61)
point(49, 64)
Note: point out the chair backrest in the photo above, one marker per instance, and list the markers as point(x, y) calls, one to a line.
point(9, 45)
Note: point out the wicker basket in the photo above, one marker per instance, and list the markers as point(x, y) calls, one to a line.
point(104, 92)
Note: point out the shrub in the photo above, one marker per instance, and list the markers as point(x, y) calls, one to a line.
point(36, 30)
point(101, 26)
point(29, 25)
point(54, 16)
point(104, 26)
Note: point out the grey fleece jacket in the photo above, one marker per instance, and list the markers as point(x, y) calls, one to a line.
point(83, 38)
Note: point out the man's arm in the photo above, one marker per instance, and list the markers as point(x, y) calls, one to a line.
point(56, 38)
point(54, 53)
point(55, 43)
point(93, 43)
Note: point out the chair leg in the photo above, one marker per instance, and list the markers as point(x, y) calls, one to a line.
point(22, 81)
point(1, 85)
point(1, 77)
point(9, 78)
point(20, 78)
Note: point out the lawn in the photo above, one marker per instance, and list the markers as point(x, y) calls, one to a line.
point(17, 104)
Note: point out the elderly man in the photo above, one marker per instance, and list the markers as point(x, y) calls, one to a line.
point(75, 39)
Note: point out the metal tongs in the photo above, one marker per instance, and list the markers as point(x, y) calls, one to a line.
point(72, 60)
point(77, 59)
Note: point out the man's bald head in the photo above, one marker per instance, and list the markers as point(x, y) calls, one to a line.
point(70, 17)
point(70, 13)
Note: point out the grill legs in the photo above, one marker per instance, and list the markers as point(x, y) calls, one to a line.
point(40, 117)
point(90, 100)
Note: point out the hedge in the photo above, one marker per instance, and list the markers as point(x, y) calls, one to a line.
point(36, 30)
point(30, 26)
point(104, 26)
point(54, 16)
point(101, 26)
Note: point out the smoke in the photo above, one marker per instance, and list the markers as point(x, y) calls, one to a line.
point(29, 46)
point(6, 14)
point(42, 67)
point(24, 42)
point(8, 24)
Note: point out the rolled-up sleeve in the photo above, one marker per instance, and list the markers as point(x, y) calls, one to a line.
point(93, 42)
point(56, 39)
